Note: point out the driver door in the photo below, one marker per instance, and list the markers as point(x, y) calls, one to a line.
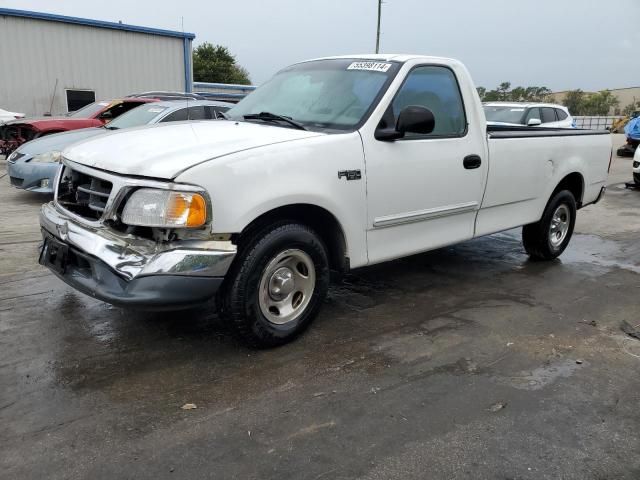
point(424, 190)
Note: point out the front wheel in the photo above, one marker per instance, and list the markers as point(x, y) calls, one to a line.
point(547, 238)
point(277, 286)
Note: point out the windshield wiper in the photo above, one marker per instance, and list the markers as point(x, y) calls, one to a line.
point(270, 117)
point(109, 127)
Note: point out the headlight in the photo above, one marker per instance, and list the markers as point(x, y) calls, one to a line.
point(13, 156)
point(150, 207)
point(47, 157)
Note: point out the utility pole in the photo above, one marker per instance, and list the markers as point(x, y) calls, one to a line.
point(378, 32)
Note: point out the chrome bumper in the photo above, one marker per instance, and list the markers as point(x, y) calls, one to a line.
point(132, 257)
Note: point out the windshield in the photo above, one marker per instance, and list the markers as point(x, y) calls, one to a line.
point(504, 114)
point(142, 115)
point(90, 110)
point(334, 94)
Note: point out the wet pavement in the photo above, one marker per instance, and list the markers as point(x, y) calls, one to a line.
point(465, 362)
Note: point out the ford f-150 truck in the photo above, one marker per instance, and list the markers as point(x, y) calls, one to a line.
point(333, 164)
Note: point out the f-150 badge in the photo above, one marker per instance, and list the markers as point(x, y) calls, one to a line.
point(350, 174)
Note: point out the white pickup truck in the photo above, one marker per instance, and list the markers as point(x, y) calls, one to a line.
point(334, 163)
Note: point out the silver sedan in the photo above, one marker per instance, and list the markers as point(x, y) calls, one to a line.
point(34, 165)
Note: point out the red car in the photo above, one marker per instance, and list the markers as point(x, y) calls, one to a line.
point(15, 133)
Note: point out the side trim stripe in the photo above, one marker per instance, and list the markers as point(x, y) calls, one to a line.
point(421, 215)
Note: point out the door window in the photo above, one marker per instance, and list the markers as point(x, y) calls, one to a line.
point(176, 116)
point(532, 113)
point(118, 109)
point(548, 115)
point(435, 88)
point(562, 115)
point(196, 113)
point(214, 111)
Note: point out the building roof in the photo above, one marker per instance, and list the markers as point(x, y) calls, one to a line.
point(9, 12)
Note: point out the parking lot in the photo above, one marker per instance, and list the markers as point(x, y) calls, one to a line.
point(465, 362)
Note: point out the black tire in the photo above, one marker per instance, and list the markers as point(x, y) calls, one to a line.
point(238, 299)
point(536, 237)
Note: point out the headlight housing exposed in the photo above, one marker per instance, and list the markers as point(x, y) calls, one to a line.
point(151, 207)
point(48, 157)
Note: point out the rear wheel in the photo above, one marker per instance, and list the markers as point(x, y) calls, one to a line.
point(277, 286)
point(547, 238)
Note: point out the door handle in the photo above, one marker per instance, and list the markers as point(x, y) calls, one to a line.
point(472, 161)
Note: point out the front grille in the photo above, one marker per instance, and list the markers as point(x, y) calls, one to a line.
point(15, 181)
point(83, 194)
point(636, 164)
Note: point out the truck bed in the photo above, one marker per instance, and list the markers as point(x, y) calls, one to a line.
point(526, 164)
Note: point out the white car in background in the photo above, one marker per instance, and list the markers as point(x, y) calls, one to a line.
point(6, 115)
point(636, 167)
point(528, 114)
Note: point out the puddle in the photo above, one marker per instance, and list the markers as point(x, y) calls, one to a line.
point(542, 376)
point(603, 253)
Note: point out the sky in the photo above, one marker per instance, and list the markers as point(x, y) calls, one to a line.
point(561, 44)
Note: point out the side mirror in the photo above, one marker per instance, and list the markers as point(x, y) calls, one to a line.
point(106, 115)
point(534, 122)
point(412, 119)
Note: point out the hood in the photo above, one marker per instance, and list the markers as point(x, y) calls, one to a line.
point(56, 142)
point(165, 150)
point(31, 120)
point(55, 123)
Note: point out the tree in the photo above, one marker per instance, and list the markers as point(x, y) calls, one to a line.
point(600, 103)
point(574, 100)
point(491, 96)
point(632, 107)
point(217, 65)
point(518, 94)
point(504, 93)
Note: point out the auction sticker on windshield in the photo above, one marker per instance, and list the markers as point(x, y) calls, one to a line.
point(373, 66)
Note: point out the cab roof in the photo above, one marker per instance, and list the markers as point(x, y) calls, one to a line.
point(388, 57)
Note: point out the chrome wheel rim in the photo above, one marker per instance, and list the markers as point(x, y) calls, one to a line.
point(286, 286)
point(559, 226)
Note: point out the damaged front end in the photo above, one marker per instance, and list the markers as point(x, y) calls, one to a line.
point(87, 245)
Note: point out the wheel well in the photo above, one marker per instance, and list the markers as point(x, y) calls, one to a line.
point(320, 220)
point(575, 184)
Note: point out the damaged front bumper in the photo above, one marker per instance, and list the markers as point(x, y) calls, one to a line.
point(131, 271)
